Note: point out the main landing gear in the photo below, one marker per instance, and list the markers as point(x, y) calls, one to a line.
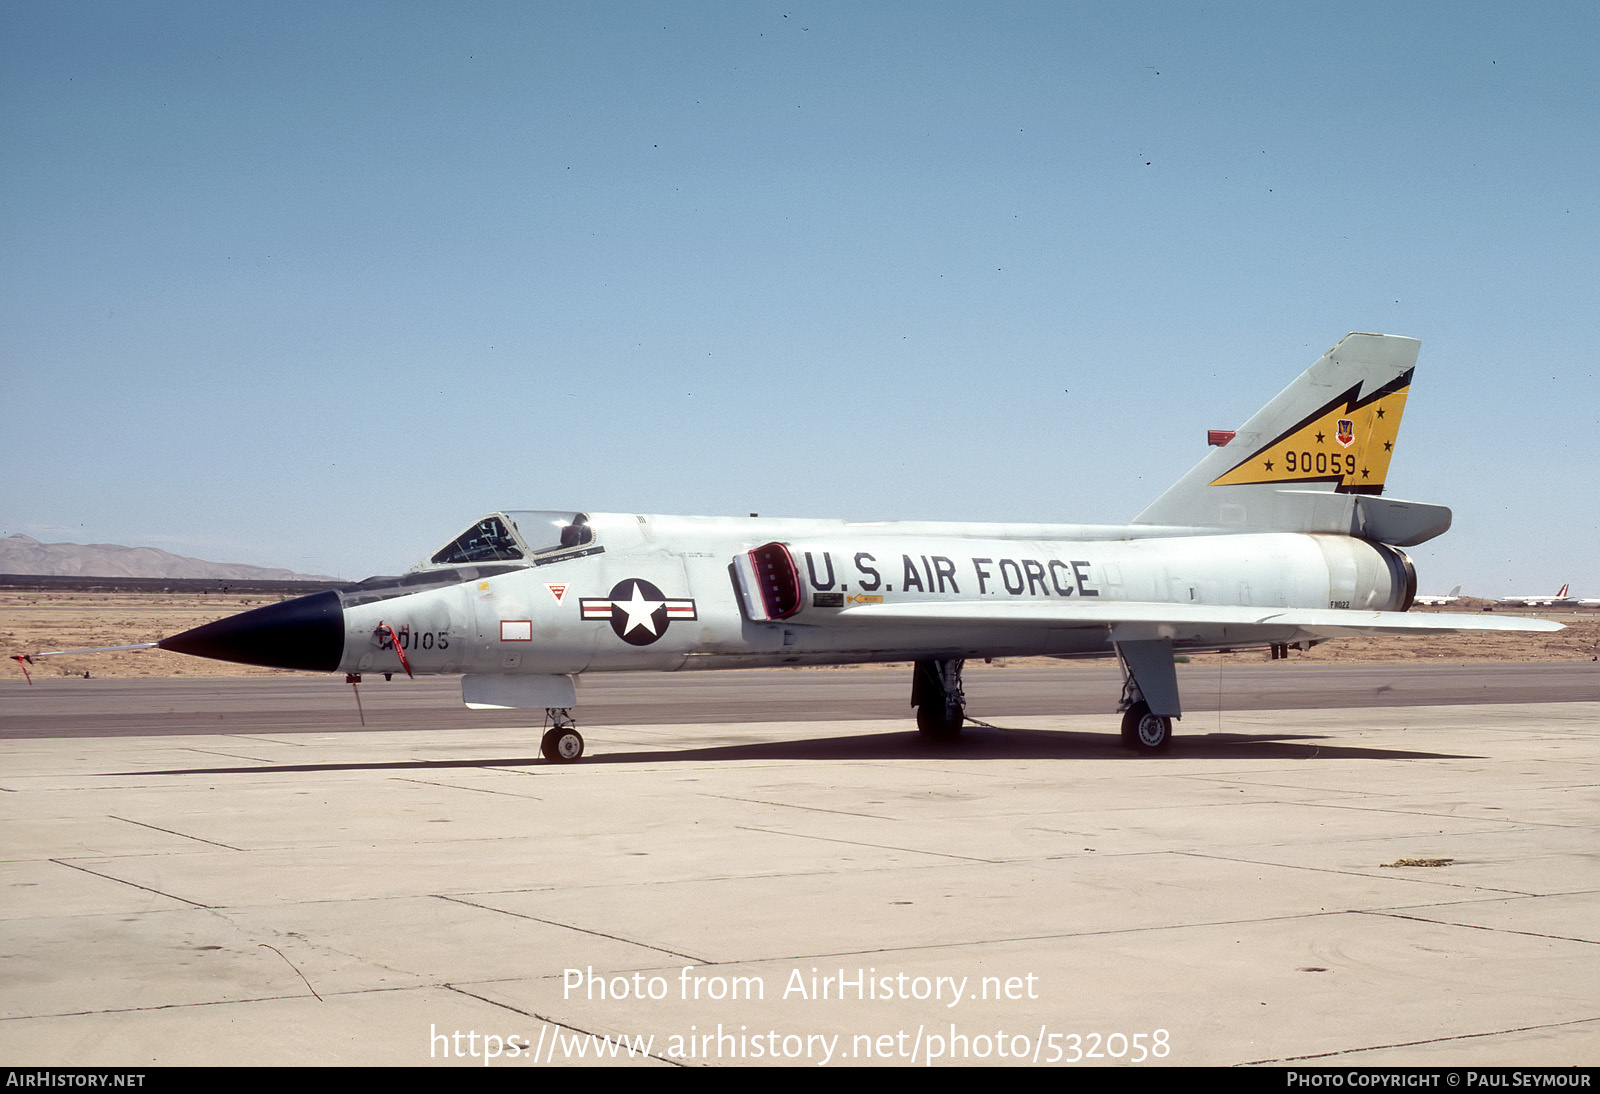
point(562, 742)
point(940, 702)
point(1144, 732)
point(1149, 695)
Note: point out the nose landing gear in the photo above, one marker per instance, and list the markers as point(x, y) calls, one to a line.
point(562, 743)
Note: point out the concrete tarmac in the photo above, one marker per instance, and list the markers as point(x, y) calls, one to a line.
point(71, 706)
point(1328, 886)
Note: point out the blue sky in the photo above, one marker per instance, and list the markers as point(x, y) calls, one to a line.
point(313, 285)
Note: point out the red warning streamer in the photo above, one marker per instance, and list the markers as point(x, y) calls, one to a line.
point(394, 640)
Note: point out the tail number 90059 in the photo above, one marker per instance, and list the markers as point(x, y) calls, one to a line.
point(1320, 463)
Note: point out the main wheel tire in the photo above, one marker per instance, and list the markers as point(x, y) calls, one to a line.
point(1144, 732)
point(562, 746)
point(936, 722)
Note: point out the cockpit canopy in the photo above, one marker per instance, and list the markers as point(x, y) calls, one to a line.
point(514, 536)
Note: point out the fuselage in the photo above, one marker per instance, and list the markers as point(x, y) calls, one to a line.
point(666, 593)
point(1286, 515)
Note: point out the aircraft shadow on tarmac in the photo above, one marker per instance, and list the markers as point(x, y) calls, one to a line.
point(974, 745)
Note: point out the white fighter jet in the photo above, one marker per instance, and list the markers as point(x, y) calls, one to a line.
point(1277, 539)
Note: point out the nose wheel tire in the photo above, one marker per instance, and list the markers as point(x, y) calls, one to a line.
point(1144, 732)
point(562, 746)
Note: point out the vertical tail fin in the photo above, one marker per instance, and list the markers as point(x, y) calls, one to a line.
point(1303, 461)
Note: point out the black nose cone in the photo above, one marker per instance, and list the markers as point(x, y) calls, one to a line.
point(304, 633)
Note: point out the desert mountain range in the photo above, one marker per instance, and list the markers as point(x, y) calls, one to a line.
point(21, 554)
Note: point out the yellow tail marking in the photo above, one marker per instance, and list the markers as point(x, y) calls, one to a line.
point(1313, 451)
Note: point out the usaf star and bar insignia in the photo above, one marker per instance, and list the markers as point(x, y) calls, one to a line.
point(637, 611)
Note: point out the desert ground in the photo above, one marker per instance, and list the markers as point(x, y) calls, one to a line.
point(32, 621)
